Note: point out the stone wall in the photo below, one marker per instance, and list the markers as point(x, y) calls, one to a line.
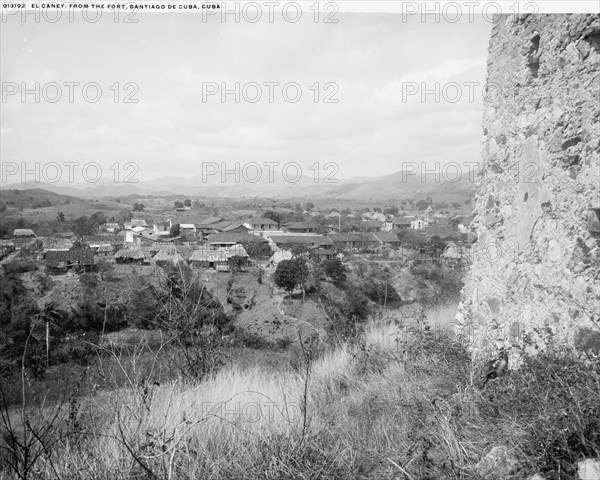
point(536, 262)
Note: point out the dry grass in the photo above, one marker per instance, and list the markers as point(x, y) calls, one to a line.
point(381, 408)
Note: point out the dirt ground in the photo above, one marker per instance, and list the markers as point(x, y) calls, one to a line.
point(261, 308)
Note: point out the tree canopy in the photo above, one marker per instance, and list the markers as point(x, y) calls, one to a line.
point(291, 273)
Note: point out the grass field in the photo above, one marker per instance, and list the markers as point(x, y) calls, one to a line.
point(383, 407)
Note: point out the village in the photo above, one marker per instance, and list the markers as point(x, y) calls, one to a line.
point(212, 241)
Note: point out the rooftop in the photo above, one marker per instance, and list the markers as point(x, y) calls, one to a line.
point(209, 221)
point(352, 237)
point(261, 221)
point(235, 238)
point(23, 232)
point(402, 220)
point(301, 239)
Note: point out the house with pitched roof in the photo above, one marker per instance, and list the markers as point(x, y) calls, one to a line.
point(216, 258)
point(79, 257)
point(168, 254)
point(135, 222)
point(387, 239)
point(305, 241)
point(368, 226)
point(187, 229)
point(399, 223)
point(56, 244)
point(255, 246)
point(261, 224)
point(132, 254)
point(236, 227)
point(298, 227)
point(352, 241)
point(23, 233)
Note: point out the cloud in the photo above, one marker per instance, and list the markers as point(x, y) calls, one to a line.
point(369, 58)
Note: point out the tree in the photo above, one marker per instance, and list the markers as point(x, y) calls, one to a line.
point(335, 269)
point(187, 203)
point(378, 286)
point(175, 230)
point(98, 219)
point(391, 210)
point(355, 305)
point(236, 263)
point(304, 273)
point(437, 246)
point(275, 216)
point(290, 273)
point(88, 225)
point(178, 204)
point(138, 207)
point(125, 216)
point(310, 206)
point(60, 217)
point(422, 204)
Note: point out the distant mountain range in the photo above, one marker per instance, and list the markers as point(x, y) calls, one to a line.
point(398, 185)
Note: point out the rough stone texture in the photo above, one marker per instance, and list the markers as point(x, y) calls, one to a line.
point(498, 463)
point(589, 469)
point(537, 476)
point(536, 267)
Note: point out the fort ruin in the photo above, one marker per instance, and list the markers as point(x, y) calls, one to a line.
point(538, 192)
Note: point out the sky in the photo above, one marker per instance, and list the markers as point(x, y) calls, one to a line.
point(172, 62)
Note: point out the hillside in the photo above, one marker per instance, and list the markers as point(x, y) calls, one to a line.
point(28, 198)
point(398, 185)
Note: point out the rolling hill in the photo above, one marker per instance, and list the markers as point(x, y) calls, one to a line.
point(29, 197)
point(395, 186)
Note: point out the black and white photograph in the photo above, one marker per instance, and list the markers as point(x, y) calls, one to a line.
point(300, 240)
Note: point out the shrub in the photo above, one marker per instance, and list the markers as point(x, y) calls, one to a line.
point(242, 337)
point(19, 266)
point(335, 269)
point(555, 399)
